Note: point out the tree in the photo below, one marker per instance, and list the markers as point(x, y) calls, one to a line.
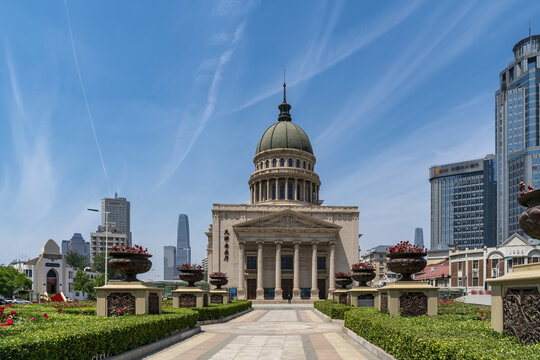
point(86, 285)
point(12, 281)
point(98, 265)
point(76, 260)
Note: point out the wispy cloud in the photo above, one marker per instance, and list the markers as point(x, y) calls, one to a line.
point(83, 90)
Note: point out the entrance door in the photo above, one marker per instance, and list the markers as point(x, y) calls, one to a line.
point(51, 282)
point(321, 284)
point(287, 285)
point(251, 289)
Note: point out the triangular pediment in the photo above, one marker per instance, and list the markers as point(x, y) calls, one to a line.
point(515, 240)
point(286, 219)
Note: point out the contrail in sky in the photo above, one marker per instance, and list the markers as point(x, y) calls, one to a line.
point(90, 117)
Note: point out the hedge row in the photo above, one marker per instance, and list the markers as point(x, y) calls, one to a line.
point(331, 309)
point(436, 337)
point(215, 311)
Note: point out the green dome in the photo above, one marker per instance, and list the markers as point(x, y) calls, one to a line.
point(284, 134)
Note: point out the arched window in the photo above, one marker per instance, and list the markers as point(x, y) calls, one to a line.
point(309, 166)
point(261, 167)
point(267, 163)
point(51, 274)
point(257, 166)
point(274, 163)
point(282, 162)
point(297, 163)
point(304, 164)
point(290, 162)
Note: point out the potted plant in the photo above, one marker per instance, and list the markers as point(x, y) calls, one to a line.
point(130, 260)
point(218, 279)
point(406, 259)
point(363, 272)
point(343, 279)
point(529, 220)
point(191, 273)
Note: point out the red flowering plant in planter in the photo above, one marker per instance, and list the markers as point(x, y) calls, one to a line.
point(405, 247)
point(188, 266)
point(218, 279)
point(190, 273)
point(135, 249)
point(406, 259)
point(361, 266)
point(218, 274)
point(343, 274)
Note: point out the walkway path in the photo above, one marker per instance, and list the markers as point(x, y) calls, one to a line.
point(292, 334)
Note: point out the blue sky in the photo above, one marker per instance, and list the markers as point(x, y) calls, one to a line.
point(164, 102)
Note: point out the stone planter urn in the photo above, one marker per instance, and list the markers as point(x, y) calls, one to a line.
point(529, 220)
point(343, 281)
point(130, 264)
point(218, 282)
point(406, 264)
point(363, 276)
point(191, 276)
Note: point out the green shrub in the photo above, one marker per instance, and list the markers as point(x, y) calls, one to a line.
point(332, 309)
point(218, 311)
point(436, 337)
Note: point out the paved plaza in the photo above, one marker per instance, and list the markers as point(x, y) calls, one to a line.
point(269, 334)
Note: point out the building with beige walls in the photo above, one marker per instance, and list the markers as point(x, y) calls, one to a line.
point(284, 242)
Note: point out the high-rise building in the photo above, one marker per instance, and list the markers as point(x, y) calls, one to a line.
point(76, 244)
point(104, 238)
point(169, 263)
point(204, 264)
point(517, 132)
point(119, 214)
point(419, 237)
point(463, 204)
point(183, 247)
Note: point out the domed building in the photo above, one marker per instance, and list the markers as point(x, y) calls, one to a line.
point(284, 243)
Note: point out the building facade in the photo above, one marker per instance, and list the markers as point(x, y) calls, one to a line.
point(169, 263)
point(463, 204)
point(284, 242)
point(183, 246)
point(377, 257)
point(76, 244)
point(419, 237)
point(119, 213)
point(105, 238)
point(517, 132)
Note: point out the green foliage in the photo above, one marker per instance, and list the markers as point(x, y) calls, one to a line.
point(332, 309)
point(12, 281)
point(76, 260)
point(218, 311)
point(98, 265)
point(456, 310)
point(84, 283)
point(447, 337)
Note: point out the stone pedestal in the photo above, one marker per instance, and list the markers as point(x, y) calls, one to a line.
point(122, 297)
point(515, 303)
point(220, 296)
point(340, 296)
point(190, 297)
point(408, 298)
point(363, 296)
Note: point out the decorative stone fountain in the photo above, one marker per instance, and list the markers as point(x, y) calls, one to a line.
point(128, 296)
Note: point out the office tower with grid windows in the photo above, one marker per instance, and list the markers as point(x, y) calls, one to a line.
point(183, 247)
point(419, 237)
point(119, 215)
point(463, 204)
point(169, 263)
point(517, 133)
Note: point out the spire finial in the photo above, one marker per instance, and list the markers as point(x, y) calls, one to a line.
point(284, 107)
point(284, 88)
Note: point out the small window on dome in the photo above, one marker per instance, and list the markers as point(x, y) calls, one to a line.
point(304, 164)
point(297, 163)
point(282, 162)
point(309, 166)
point(290, 162)
point(257, 166)
point(274, 163)
point(267, 163)
point(261, 167)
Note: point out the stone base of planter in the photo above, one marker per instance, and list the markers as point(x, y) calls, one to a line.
point(340, 296)
point(190, 297)
point(514, 302)
point(363, 296)
point(408, 298)
point(135, 297)
point(220, 296)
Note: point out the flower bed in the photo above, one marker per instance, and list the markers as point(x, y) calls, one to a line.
point(331, 309)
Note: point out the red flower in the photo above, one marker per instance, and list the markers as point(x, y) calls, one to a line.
point(45, 315)
point(33, 319)
point(1, 309)
point(119, 311)
point(124, 309)
point(59, 310)
point(9, 321)
point(12, 312)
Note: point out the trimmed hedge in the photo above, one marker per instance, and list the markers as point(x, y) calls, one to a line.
point(436, 337)
point(218, 311)
point(335, 311)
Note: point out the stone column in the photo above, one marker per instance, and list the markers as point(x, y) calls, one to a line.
point(311, 192)
point(260, 190)
point(304, 190)
point(287, 188)
point(277, 189)
point(296, 272)
point(268, 189)
point(260, 288)
point(314, 286)
point(332, 272)
point(241, 289)
point(295, 190)
point(278, 291)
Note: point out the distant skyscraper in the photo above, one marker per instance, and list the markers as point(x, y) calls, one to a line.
point(119, 213)
point(183, 247)
point(463, 204)
point(76, 244)
point(169, 263)
point(419, 237)
point(517, 133)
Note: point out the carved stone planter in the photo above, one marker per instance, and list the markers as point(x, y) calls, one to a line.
point(218, 282)
point(363, 276)
point(529, 220)
point(130, 264)
point(406, 264)
point(344, 281)
point(191, 276)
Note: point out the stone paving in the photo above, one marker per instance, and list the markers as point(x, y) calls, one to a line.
point(268, 334)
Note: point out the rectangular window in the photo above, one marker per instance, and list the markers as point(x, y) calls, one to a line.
point(28, 273)
point(474, 281)
point(71, 274)
point(321, 262)
point(475, 264)
point(460, 266)
point(287, 262)
point(251, 262)
point(460, 282)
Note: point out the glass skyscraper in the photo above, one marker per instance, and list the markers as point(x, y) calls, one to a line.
point(517, 133)
point(169, 263)
point(183, 247)
point(419, 237)
point(463, 204)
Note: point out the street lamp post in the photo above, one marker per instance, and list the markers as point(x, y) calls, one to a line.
point(106, 241)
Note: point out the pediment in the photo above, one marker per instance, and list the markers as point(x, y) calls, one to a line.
point(286, 220)
point(515, 240)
